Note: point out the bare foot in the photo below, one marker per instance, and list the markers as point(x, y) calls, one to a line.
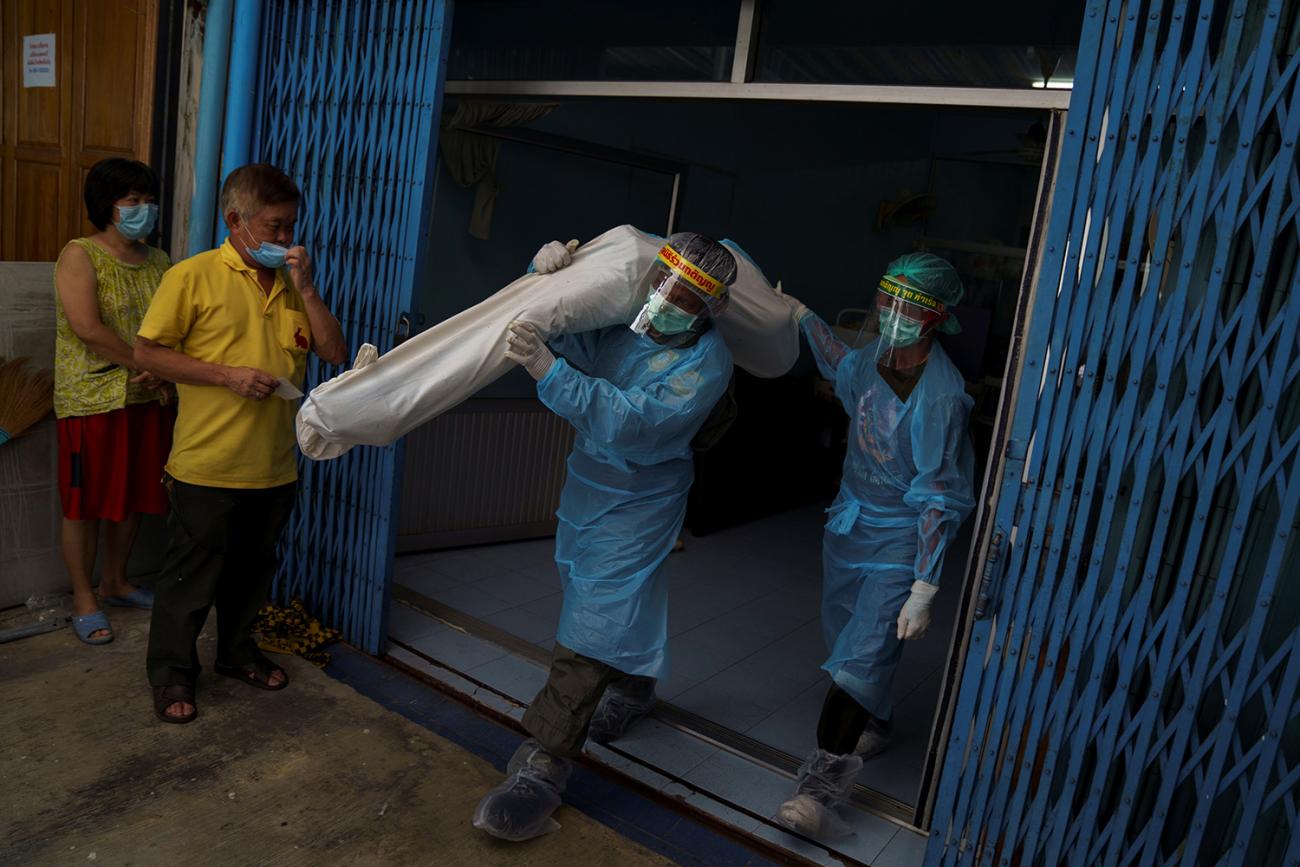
point(176, 703)
point(179, 709)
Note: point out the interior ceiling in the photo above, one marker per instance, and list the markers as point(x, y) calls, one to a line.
point(954, 65)
point(995, 43)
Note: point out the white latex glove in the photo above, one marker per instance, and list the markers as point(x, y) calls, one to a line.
point(527, 349)
point(914, 619)
point(311, 442)
point(366, 356)
point(798, 310)
point(554, 256)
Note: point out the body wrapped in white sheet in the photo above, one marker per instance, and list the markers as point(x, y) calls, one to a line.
point(437, 369)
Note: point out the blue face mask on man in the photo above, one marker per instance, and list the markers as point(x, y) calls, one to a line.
point(136, 222)
point(266, 254)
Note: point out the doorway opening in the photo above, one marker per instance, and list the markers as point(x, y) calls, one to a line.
point(822, 197)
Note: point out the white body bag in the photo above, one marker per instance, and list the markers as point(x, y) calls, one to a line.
point(383, 398)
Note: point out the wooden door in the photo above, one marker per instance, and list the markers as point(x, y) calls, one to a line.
point(101, 106)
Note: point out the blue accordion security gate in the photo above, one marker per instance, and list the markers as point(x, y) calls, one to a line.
point(1129, 692)
point(350, 100)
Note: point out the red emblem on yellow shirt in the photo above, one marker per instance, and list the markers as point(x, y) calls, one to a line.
point(303, 342)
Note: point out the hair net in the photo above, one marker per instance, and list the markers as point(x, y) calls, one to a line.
point(929, 273)
point(934, 276)
point(707, 254)
point(687, 285)
point(710, 257)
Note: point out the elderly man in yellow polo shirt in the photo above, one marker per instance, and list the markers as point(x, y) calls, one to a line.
point(231, 327)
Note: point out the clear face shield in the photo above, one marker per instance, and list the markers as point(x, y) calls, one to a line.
point(906, 318)
point(680, 300)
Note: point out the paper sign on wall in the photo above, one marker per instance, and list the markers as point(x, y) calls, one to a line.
point(38, 60)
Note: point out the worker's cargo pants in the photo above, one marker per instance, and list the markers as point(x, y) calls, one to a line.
point(560, 714)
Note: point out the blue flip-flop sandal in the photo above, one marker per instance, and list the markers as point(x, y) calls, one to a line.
point(87, 624)
point(137, 598)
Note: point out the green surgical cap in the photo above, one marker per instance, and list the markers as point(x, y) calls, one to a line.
point(934, 276)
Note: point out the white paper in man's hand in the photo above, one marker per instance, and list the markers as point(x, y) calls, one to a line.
point(287, 389)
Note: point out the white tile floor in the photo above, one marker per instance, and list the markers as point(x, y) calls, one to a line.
point(745, 645)
point(745, 651)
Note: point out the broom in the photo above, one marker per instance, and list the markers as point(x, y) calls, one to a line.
point(26, 397)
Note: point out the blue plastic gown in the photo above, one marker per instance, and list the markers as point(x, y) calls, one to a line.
point(906, 488)
point(636, 406)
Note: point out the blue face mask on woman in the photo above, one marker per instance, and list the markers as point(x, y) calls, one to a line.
point(266, 254)
point(136, 222)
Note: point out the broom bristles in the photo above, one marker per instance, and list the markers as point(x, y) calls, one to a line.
point(26, 396)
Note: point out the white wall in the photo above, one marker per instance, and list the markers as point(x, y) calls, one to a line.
point(29, 498)
point(30, 514)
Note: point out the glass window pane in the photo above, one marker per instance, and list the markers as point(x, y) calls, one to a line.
point(1004, 43)
point(592, 40)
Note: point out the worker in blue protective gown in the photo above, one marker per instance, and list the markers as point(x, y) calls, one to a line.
point(636, 396)
point(905, 491)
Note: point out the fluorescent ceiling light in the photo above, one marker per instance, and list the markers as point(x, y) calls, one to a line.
point(1058, 84)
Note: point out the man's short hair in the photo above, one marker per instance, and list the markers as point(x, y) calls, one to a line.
point(112, 179)
point(251, 188)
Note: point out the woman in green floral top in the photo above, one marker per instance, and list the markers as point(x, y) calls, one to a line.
point(115, 422)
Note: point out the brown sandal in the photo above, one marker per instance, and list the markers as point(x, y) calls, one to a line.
point(166, 696)
point(256, 673)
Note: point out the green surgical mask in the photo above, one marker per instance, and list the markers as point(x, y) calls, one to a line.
point(666, 317)
point(898, 330)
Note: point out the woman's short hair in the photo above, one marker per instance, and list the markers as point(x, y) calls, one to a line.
point(251, 188)
point(112, 179)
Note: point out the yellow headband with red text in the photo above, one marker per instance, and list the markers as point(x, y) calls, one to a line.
point(691, 273)
point(894, 288)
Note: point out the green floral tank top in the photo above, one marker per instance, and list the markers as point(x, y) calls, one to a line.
point(85, 383)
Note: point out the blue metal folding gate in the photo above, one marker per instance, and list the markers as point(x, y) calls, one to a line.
point(351, 96)
point(1131, 694)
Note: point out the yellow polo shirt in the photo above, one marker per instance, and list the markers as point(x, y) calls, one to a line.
point(212, 308)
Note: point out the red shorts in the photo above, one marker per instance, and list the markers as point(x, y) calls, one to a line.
point(111, 464)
